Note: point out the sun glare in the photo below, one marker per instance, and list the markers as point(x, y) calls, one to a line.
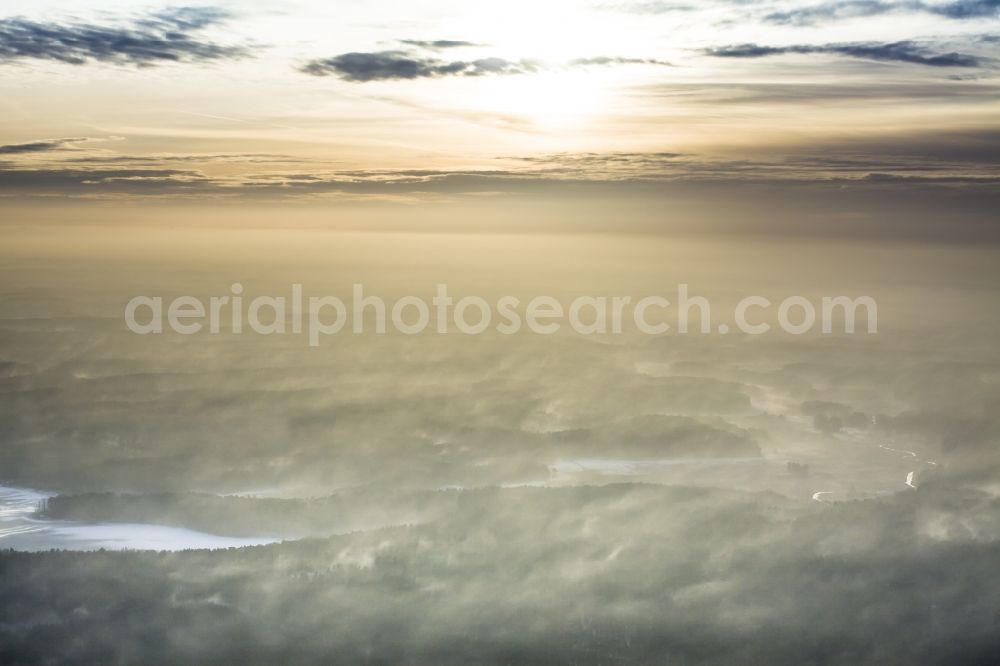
point(558, 101)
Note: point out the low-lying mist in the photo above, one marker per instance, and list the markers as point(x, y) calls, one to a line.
point(451, 498)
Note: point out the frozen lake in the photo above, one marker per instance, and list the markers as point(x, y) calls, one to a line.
point(21, 530)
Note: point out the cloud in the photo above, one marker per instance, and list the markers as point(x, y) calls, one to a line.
point(889, 174)
point(803, 94)
point(39, 146)
point(77, 182)
point(970, 155)
point(964, 9)
point(167, 36)
point(396, 65)
point(904, 51)
point(828, 10)
point(840, 9)
point(109, 158)
point(653, 7)
point(186, 18)
point(400, 65)
point(611, 60)
point(836, 190)
point(437, 44)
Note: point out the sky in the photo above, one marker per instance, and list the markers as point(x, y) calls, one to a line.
point(442, 101)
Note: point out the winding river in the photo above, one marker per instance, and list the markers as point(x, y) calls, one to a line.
point(910, 476)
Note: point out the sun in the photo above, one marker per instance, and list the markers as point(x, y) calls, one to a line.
point(551, 101)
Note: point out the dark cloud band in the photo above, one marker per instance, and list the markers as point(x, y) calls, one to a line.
point(839, 9)
point(437, 44)
point(400, 65)
point(905, 51)
point(395, 65)
point(169, 36)
point(39, 146)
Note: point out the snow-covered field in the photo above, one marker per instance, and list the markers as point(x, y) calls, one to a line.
point(20, 529)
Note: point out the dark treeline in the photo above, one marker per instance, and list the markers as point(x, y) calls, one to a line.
point(594, 575)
